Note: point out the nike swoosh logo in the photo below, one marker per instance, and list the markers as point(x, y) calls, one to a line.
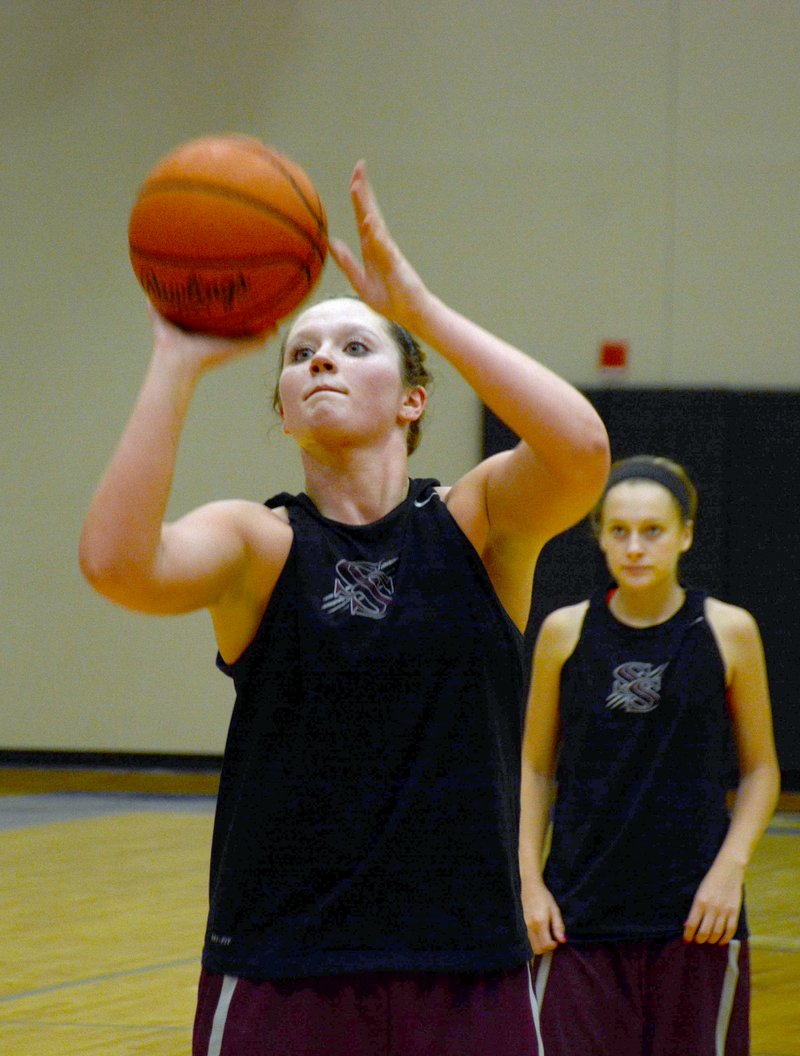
point(425, 502)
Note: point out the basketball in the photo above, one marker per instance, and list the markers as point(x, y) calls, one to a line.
point(227, 236)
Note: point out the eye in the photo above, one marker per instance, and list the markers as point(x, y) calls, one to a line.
point(617, 531)
point(299, 354)
point(356, 348)
point(652, 531)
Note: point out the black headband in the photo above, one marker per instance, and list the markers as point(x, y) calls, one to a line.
point(644, 469)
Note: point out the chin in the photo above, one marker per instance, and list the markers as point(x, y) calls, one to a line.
point(634, 581)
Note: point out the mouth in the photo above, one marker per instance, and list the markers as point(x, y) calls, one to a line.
point(322, 388)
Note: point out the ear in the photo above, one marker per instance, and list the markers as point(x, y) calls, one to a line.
point(413, 404)
point(688, 536)
point(283, 419)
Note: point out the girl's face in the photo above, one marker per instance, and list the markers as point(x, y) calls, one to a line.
point(642, 535)
point(341, 381)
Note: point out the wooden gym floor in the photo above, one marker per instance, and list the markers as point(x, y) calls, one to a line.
point(102, 909)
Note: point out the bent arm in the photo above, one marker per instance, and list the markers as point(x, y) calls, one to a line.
point(558, 469)
point(512, 503)
point(126, 551)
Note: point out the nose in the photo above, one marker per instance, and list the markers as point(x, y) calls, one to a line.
point(321, 363)
point(634, 543)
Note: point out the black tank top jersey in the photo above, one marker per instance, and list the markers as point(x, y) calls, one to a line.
point(369, 800)
point(642, 773)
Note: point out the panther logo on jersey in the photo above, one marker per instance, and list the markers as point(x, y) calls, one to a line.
point(363, 587)
point(636, 687)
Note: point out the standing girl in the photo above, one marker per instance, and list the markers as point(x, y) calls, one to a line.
point(365, 892)
point(637, 922)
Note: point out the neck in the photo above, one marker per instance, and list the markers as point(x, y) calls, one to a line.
point(357, 486)
point(638, 609)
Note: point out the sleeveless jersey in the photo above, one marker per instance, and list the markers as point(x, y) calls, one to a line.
point(368, 809)
point(642, 774)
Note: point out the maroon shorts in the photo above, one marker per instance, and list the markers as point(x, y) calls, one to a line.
point(650, 998)
point(369, 1014)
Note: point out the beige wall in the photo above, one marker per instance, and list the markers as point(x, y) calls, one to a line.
point(563, 171)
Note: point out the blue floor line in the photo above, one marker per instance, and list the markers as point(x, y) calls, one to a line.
point(108, 977)
point(134, 1028)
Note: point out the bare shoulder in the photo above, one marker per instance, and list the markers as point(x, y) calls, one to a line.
point(738, 638)
point(731, 622)
point(250, 518)
point(466, 504)
point(253, 540)
point(561, 629)
point(469, 501)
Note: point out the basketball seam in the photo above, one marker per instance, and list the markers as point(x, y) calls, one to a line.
point(261, 150)
point(179, 260)
point(316, 214)
point(201, 186)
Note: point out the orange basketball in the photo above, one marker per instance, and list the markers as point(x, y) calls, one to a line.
point(227, 236)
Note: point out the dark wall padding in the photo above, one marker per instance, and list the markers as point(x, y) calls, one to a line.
point(742, 449)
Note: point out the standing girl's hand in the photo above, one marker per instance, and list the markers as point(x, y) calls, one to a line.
point(385, 279)
point(714, 915)
point(543, 919)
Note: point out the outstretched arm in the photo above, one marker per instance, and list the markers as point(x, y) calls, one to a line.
point(559, 468)
point(714, 914)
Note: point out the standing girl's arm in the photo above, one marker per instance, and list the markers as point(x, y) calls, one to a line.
point(716, 907)
point(556, 641)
